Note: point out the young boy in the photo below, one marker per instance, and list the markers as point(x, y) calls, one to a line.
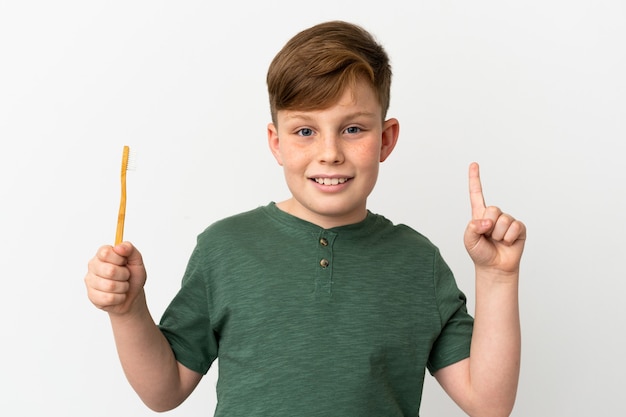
point(315, 306)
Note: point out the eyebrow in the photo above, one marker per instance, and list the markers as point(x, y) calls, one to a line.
point(305, 116)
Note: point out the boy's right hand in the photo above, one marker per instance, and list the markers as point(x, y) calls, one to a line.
point(115, 278)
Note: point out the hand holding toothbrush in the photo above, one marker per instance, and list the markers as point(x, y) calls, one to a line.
point(115, 278)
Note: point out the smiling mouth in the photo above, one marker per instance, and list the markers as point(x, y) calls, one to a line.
point(330, 181)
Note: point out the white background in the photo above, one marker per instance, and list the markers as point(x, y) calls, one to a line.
point(534, 91)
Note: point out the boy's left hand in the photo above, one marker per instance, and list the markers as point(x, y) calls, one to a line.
point(493, 239)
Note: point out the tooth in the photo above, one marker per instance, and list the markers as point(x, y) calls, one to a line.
point(330, 181)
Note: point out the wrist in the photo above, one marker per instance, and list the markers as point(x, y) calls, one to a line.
point(497, 276)
point(135, 310)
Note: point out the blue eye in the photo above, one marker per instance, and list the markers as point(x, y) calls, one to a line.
point(353, 129)
point(305, 132)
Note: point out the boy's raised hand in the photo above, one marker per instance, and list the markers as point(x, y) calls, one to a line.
point(115, 278)
point(493, 239)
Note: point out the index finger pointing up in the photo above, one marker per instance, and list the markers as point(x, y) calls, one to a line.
point(477, 200)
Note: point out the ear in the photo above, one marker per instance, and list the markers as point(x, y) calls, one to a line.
point(274, 142)
point(391, 131)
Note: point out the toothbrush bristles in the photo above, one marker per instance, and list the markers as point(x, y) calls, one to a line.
point(131, 165)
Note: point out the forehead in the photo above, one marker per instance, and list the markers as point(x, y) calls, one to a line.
point(359, 99)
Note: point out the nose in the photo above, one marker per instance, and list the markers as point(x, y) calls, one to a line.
point(331, 150)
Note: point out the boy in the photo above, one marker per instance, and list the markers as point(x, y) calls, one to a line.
point(314, 305)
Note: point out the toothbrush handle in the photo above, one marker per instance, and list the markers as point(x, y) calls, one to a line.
point(119, 234)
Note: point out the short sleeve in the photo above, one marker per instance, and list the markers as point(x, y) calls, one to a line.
point(454, 341)
point(186, 323)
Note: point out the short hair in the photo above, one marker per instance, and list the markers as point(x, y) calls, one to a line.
point(315, 67)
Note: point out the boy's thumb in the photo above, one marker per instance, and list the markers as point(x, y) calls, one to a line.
point(130, 252)
point(475, 230)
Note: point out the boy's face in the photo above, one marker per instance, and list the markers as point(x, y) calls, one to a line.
point(330, 157)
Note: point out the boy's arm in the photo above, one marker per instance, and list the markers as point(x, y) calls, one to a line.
point(485, 384)
point(115, 281)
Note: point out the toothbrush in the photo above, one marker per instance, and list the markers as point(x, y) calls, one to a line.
point(126, 165)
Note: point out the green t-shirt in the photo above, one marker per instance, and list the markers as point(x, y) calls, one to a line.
point(309, 321)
